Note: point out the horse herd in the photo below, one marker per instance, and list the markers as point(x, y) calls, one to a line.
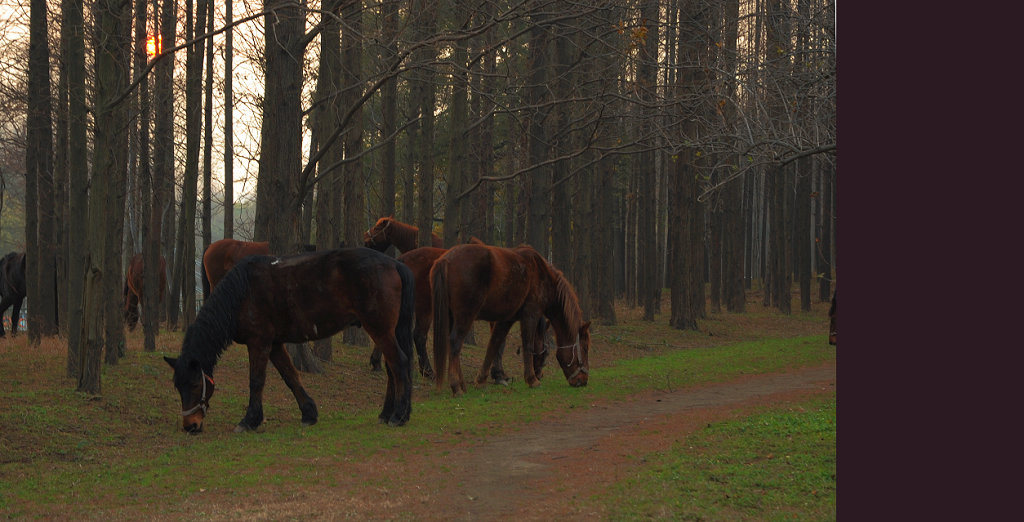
point(264, 301)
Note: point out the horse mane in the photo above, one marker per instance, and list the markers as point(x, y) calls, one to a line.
point(570, 303)
point(216, 323)
point(564, 291)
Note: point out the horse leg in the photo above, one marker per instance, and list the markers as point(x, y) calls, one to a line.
point(528, 328)
point(258, 356)
point(375, 359)
point(398, 366)
point(283, 362)
point(492, 359)
point(16, 315)
point(4, 304)
point(419, 338)
point(458, 335)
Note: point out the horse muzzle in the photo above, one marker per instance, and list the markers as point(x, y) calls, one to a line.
point(579, 378)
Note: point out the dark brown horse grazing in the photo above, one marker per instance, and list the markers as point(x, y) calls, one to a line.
point(133, 288)
point(222, 255)
point(264, 302)
point(832, 317)
point(389, 231)
point(504, 285)
point(12, 288)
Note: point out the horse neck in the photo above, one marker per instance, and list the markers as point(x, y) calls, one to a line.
point(403, 236)
point(566, 331)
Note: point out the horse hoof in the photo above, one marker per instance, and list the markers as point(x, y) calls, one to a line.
point(306, 422)
point(242, 429)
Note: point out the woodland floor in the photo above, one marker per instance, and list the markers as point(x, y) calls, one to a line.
point(553, 468)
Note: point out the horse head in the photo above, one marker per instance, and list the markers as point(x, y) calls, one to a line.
point(377, 236)
point(574, 358)
point(196, 388)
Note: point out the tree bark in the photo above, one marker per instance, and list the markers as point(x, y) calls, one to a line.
point(229, 138)
point(39, 239)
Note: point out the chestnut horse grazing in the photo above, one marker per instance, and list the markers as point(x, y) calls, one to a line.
point(505, 285)
point(222, 255)
point(389, 231)
point(419, 260)
point(133, 288)
point(265, 301)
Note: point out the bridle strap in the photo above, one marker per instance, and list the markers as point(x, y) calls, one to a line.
point(204, 402)
point(577, 354)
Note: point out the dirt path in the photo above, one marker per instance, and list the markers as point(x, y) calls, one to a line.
point(550, 469)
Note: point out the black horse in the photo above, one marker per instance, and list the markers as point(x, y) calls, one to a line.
point(12, 288)
point(265, 301)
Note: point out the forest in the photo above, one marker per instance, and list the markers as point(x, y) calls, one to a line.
point(641, 146)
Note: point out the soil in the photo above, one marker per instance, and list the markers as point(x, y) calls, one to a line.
point(552, 469)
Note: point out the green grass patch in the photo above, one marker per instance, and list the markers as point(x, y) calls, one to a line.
point(779, 464)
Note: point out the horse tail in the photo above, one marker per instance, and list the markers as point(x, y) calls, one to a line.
point(406, 313)
point(206, 280)
point(439, 284)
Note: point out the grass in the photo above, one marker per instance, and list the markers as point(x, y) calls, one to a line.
point(65, 454)
point(778, 464)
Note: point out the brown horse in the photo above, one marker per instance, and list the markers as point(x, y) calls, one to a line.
point(389, 231)
point(505, 285)
point(832, 317)
point(133, 288)
point(264, 302)
point(222, 255)
point(419, 260)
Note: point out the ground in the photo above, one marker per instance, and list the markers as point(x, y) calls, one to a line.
point(549, 470)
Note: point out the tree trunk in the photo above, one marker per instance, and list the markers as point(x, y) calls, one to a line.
point(389, 101)
point(647, 79)
point(208, 139)
point(354, 202)
point(109, 137)
point(279, 189)
point(150, 246)
point(39, 239)
point(78, 179)
point(456, 218)
point(229, 138)
point(162, 218)
point(539, 214)
point(423, 91)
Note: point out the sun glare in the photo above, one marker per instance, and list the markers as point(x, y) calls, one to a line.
point(153, 46)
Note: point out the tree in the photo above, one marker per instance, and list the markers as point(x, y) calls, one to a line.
point(109, 137)
point(423, 93)
point(39, 237)
point(73, 30)
point(229, 127)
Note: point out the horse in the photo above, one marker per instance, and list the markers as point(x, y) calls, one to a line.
point(133, 287)
point(419, 260)
point(505, 285)
point(222, 255)
point(832, 316)
point(12, 288)
point(265, 301)
point(389, 231)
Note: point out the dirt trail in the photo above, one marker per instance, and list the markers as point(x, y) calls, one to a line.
point(550, 470)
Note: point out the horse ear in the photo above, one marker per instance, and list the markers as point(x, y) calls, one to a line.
point(586, 326)
point(171, 361)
